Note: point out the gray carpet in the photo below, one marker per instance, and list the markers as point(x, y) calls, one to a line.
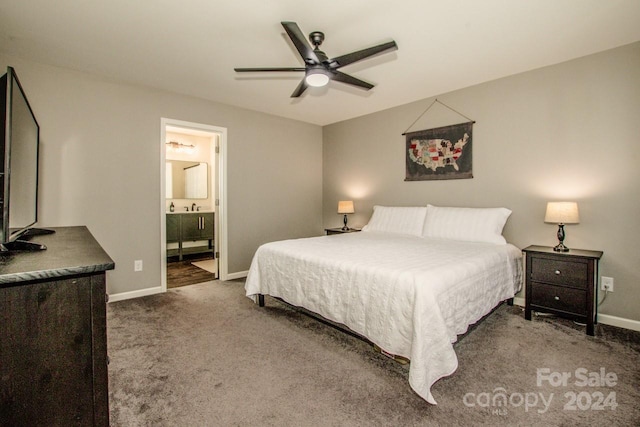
point(205, 355)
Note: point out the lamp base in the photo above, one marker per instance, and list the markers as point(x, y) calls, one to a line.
point(561, 248)
point(345, 228)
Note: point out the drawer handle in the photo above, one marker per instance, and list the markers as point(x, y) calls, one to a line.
point(557, 298)
point(557, 272)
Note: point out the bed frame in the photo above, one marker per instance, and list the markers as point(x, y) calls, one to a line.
point(261, 301)
point(345, 329)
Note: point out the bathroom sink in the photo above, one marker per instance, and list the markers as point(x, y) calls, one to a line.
point(182, 211)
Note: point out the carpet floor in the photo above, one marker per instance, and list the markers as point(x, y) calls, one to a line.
point(205, 355)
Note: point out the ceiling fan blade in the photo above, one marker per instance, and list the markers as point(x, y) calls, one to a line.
point(245, 70)
point(350, 58)
point(300, 89)
point(300, 42)
point(346, 78)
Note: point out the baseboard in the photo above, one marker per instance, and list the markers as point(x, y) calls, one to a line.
point(605, 319)
point(238, 275)
point(158, 289)
point(620, 322)
point(135, 294)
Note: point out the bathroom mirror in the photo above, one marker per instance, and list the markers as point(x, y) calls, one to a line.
point(187, 180)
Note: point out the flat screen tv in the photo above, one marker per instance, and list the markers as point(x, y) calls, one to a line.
point(19, 149)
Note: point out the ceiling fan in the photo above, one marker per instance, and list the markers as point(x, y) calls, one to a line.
point(318, 68)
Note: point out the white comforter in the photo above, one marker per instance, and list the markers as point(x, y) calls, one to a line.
point(411, 296)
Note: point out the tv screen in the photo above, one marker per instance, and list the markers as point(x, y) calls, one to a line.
point(19, 175)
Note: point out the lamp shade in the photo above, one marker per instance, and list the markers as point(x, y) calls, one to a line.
point(562, 213)
point(345, 207)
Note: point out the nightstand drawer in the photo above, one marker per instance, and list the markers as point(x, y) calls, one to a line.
point(560, 272)
point(559, 298)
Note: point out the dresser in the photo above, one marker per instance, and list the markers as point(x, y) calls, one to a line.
point(53, 332)
point(562, 283)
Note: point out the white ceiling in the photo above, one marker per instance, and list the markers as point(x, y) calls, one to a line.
point(191, 46)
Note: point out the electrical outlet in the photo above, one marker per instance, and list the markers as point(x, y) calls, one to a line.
point(137, 265)
point(606, 283)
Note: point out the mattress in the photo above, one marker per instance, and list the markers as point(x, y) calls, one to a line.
point(411, 296)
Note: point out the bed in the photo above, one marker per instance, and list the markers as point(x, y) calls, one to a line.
point(405, 283)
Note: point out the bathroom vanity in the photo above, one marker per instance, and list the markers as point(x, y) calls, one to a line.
point(192, 231)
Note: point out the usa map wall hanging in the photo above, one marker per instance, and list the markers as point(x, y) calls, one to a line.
point(440, 153)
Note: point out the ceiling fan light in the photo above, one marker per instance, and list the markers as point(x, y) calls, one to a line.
point(317, 79)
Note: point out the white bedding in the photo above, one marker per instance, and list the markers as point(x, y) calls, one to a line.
point(409, 295)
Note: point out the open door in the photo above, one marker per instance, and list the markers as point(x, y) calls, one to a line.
point(192, 203)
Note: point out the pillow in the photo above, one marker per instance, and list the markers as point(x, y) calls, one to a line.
point(467, 224)
point(402, 220)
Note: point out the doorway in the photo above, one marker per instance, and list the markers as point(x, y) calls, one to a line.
point(193, 199)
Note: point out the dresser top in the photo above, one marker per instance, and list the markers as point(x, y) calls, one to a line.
point(572, 252)
point(70, 251)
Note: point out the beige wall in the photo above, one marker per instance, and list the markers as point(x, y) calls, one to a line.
point(568, 131)
point(561, 132)
point(100, 167)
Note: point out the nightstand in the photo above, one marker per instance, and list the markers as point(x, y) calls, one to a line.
point(562, 283)
point(339, 230)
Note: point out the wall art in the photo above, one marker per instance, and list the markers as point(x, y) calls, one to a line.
point(440, 153)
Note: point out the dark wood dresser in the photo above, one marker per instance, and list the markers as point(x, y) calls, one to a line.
point(53, 341)
point(562, 283)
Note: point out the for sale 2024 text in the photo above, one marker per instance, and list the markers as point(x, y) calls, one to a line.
point(582, 377)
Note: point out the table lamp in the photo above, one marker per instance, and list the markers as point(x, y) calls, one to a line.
point(562, 213)
point(345, 207)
